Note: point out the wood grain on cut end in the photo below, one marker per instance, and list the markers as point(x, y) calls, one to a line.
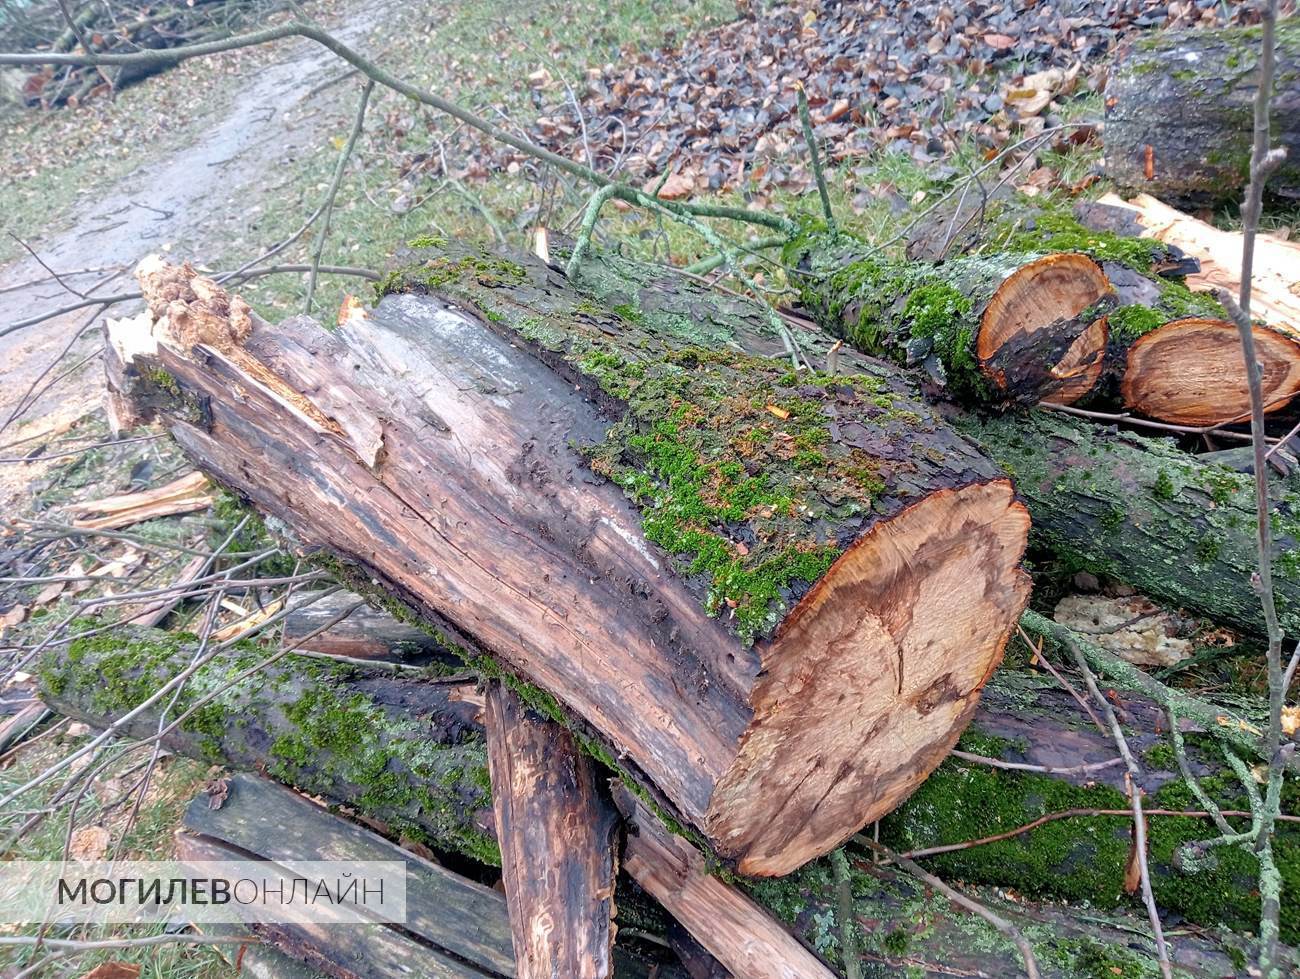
point(1191, 372)
point(556, 834)
point(873, 676)
point(1032, 337)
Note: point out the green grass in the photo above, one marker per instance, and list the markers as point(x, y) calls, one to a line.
point(175, 781)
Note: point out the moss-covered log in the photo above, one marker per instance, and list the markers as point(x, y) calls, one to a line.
point(999, 328)
point(769, 597)
point(405, 751)
point(1135, 509)
point(1142, 511)
point(1179, 111)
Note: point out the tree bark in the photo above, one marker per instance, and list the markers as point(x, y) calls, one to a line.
point(558, 849)
point(778, 613)
point(1006, 328)
point(438, 796)
point(1179, 108)
point(405, 752)
point(1141, 511)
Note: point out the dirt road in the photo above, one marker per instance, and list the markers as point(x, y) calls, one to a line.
point(182, 203)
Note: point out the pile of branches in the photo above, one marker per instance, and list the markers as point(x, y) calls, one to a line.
point(110, 26)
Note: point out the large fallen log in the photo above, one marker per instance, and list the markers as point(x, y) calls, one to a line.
point(1023, 720)
point(1137, 510)
point(1019, 328)
point(777, 614)
point(1179, 111)
point(1141, 511)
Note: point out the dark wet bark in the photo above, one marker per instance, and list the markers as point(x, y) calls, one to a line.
point(1179, 110)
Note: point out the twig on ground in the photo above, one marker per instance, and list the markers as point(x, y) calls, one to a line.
point(1133, 786)
point(957, 897)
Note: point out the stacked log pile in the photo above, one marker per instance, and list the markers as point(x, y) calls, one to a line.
point(767, 600)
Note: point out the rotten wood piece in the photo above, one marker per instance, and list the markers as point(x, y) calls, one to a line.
point(776, 613)
point(988, 328)
point(743, 937)
point(558, 843)
point(367, 633)
point(184, 494)
point(1179, 110)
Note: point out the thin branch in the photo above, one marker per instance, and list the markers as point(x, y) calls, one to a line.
point(172, 56)
point(342, 165)
point(1263, 162)
point(810, 137)
point(957, 897)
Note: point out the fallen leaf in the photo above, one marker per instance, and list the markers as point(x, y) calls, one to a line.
point(677, 186)
point(1225, 721)
point(351, 310)
point(90, 843)
point(13, 616)
point(999, 42)
point(1290, 720)
point(780, 413)
point(114, 970)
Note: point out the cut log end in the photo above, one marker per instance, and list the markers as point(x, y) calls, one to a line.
point(873, 677)
point(1043, 331)
point(1190, 372)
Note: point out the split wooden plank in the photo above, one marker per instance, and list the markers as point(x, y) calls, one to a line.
point(182, 495)
point(454, 918)
point(1275, 290)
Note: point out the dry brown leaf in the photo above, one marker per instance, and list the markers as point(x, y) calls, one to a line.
point(999, 42)
point(780, 413)
point(676, 187)
point(1290, 720)
point(90, 843)
point(114, 970)
point(351, 310)
point(13, 616)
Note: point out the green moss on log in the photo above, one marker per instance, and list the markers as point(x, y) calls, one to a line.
point(326, 735)
point(1084, 858)
point(1141, 511)
point(738, 464)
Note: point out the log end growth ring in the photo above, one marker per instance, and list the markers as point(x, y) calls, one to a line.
point(1032, 341)
point(873, 677)
point(1190, 372)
